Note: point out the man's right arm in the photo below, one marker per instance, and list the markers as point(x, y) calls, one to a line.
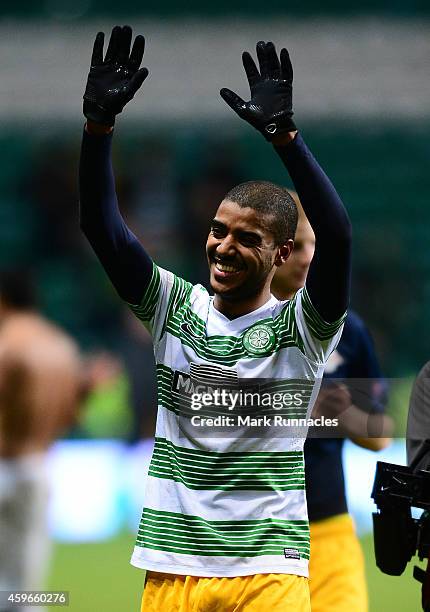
point(112, 82)
point(123, 257)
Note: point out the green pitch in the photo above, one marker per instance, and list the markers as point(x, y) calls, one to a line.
point(98, 576)
point(100, 579)
point(390, 593)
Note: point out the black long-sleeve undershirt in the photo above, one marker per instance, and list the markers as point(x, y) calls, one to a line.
point(124, 259)
point(129, 267)
point(328, 279)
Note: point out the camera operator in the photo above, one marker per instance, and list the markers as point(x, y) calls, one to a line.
point(398, 535)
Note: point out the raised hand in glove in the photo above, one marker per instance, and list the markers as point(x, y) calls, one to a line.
point(113, 81)
point(270, 108)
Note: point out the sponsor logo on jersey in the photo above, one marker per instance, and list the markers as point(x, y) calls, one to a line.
point(203, 378)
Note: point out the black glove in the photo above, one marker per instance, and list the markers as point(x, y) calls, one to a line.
point(112, 82)
point(270, 108)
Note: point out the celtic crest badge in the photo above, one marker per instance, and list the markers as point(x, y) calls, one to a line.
point(259, 339)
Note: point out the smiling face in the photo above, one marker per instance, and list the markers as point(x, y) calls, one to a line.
point(242, 256)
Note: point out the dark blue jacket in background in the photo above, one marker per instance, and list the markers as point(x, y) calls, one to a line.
point(354, 358)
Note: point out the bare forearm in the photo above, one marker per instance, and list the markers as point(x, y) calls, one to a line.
point(371, 431)
point(373, 444)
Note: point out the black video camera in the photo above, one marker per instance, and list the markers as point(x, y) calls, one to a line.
point(397, 535)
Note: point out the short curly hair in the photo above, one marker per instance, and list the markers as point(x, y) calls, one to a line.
point(271, 200)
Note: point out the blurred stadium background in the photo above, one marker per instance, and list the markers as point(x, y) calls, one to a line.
point(362, 100)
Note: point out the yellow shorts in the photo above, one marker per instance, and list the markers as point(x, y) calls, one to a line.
point(336, 572)
point(257, 593)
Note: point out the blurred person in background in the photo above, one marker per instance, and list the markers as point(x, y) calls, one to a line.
point(194, 508)
point(336, 569)
point(41, 384)
point(135, 348)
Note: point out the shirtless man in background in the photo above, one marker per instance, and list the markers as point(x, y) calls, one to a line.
point(40, 390)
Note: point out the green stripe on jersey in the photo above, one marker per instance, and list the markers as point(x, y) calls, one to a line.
point(228, 350)
point(164, 388)
point(258, 471)
point(179, 299)
point(192, 535)
point(319, 328)
point(146, 310)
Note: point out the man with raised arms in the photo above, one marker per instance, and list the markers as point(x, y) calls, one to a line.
point(224, 524)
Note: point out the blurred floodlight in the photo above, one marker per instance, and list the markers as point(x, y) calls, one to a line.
point(86, 481)
point(98, 487)
point(359, 468)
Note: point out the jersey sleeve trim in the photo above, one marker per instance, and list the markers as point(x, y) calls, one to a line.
point(145, 311)
point(320, 329)
point(179, 295)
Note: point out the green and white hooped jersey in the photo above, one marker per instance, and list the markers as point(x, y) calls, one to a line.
point(230, 506)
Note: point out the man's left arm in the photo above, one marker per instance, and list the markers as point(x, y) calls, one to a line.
point(359, 401)
point(328, 279)
point(270, 112)
point(371, 397)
